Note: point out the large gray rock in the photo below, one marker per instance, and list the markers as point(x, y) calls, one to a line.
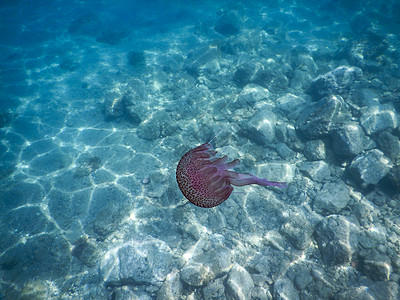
point(284, 289)
point(332, 198)
point(337, 239)
point(143, 261)
point(229, 23)
point(370, 167)
point(159, 125)
point(252, 94)
point(211, 260)
point(298, 231)
point(200, 58)
point(359, 292)
point(261, 127)
point(290, 104)
point(214, 290)
point(300, 80)
point(348, 139)
point(377, 267)
point(239, 283)
point(393, 178)
point(171, 289)
point(334, 82)
point(315, 150)
point(389, 144)
point(316, 170)
point(379, 118)
point(367, 97)
point(317, 120)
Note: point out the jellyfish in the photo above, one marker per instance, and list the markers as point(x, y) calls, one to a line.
point(206, 181)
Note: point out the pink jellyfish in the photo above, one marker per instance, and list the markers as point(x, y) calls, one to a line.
point(206, 182)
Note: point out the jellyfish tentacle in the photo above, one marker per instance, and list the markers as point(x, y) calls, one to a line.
point(241, 179)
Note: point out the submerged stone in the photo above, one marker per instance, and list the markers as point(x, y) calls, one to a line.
point(336, 240)
point(389, 144)
point(370, 167)
point(332, 198)
point(379, 118)
point(261, 127)
point(147, 261)
point(348, 139)
point(229, 23)
point(315, 150)
point(239, 283)
point(334, 82)
point(285, 289)
point(317, 120)
point(377, 267)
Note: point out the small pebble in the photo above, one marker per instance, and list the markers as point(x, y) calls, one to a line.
point(145, 180)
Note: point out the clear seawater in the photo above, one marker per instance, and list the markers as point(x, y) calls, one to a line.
point(99, 100)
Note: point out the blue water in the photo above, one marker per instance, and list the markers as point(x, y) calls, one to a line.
point(99, 100)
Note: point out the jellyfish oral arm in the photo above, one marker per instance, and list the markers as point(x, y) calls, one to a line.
point(240, 179)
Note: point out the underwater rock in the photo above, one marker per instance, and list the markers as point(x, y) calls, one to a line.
point(315, 150)
point(336, 81)
point(348, 139)
point(284, 151)
point(251, 95)
point(261, 127)
point(300, 80)
point(271, 77)
point(359, 292)
point(206, 267)
point(379, 118)
point(370, 167)
point(291, 105)
point(389, 144)
point(85, 251)
point(171, 289)
point(366, 97)
point(229, 23)
point(196, 274)
point(143, 261)
point(317, 120)
point(332, 198)
point(200, 58)
point(239, 283)
point(392, 179)
point(210, 262)
point(298, 231)
point(158, 126)
point(284, 289)
point(377, 267)
point(244, 73)
point(336, 239)
point(214, 290)
point(303, 277)
point(318, 171)
point(136, 59)
point(365, 51)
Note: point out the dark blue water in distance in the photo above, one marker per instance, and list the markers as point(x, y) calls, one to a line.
point(99, 100)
